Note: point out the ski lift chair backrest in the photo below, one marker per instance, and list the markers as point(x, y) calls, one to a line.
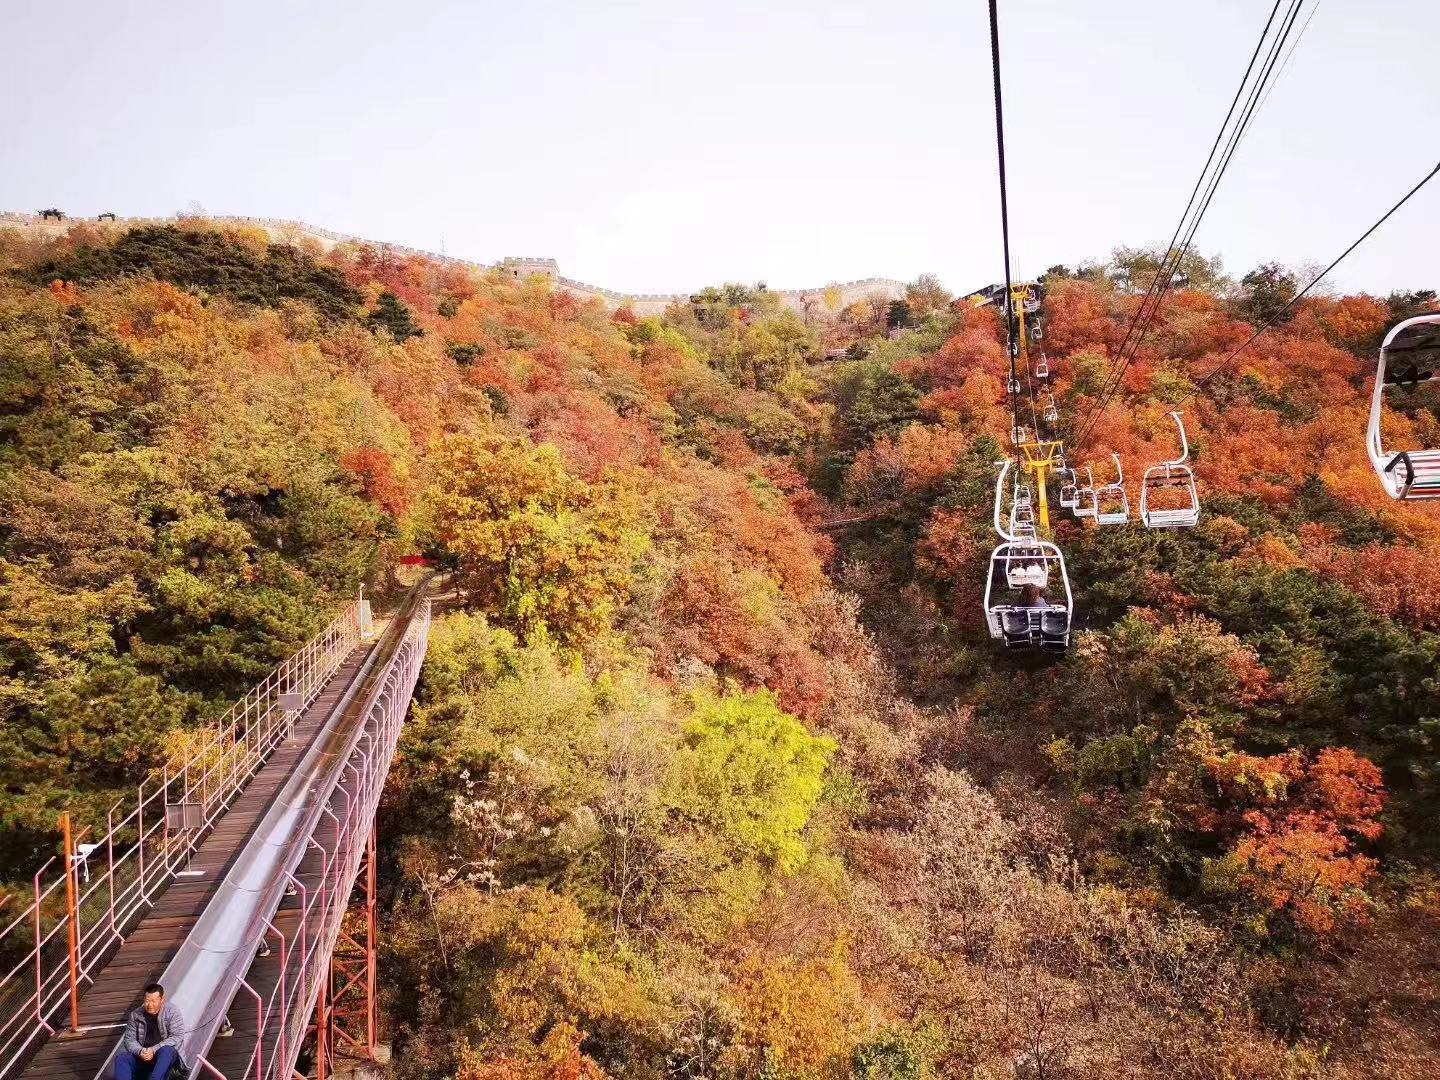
point(1086, 501)
point(1409, 357)
point(1113, 496)
point(1171, 476)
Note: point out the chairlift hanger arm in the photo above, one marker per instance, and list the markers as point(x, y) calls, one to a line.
point(999, 500)
point(1184, 442)
point(1406, 474)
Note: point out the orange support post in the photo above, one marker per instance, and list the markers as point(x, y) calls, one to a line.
point(370, 945)
point(72, 918)
point(353, 1009)
point(322, 1030)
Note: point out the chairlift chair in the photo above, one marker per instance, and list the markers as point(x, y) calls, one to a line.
point(1113, 496)
point(1022, 504)
point(1069, 489)
point(1018, 626)
point(1086, 502)
point(1022, 515)
point(1037, 330)
point(1018, 561)
point(1042, 367)
point(1409, 356)
point(1171, 477)
point(1051, 413)
point(1020, 435)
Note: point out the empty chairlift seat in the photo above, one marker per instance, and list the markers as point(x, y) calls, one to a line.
point(1055, 628)
point(1015, 624)
point(1112, 505)
point(1409, 358)
point(1086, 503)
point(1069, 489)
point(1168, 496)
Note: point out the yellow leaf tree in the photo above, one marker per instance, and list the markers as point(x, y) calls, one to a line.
point(539, 550)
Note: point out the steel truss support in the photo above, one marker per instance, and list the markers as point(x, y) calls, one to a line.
point(345, 1012)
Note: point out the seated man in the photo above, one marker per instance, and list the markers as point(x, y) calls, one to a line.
point(152, 1038)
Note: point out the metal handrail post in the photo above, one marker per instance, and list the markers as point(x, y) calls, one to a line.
point(259, 1026)
point(284, 1007)
point(39, 978)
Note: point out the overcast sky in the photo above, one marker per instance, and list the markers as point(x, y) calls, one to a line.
point(659, 146)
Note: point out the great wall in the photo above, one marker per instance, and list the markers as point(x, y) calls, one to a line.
point(835, 295)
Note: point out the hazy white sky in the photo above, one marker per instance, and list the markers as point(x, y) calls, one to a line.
point(659, 146)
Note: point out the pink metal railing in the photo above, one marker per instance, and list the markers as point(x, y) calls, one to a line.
point(143, 848)
point(338, 841)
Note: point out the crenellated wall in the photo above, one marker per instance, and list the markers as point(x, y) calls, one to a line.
point(849, 292)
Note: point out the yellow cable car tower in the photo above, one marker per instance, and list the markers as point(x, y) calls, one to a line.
point(1038, 456)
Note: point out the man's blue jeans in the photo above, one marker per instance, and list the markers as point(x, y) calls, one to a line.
point(128, 1066)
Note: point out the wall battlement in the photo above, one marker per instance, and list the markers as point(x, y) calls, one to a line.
point(849, 292)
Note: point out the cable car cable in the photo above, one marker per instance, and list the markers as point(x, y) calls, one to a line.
point(1204, 171)
point(1301, 294)
point(1013, 345)
point(1284, 64)
point(1170, 264)
point(1190, 219)
point(1160, 271)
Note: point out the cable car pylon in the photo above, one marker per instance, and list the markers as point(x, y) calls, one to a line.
point(1038, 456)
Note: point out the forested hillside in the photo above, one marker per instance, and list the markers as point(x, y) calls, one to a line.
point(713, 770)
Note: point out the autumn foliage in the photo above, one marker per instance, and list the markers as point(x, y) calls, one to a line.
point(712, 772)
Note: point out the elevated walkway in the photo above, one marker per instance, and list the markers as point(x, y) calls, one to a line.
point(240, 923)
point(153, 944)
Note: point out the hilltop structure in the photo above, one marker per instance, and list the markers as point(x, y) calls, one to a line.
point(834, 294)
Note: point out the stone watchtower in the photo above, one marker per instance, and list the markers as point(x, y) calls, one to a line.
point(524, 268)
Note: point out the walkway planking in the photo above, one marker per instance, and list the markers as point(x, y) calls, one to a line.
point(153, 943)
